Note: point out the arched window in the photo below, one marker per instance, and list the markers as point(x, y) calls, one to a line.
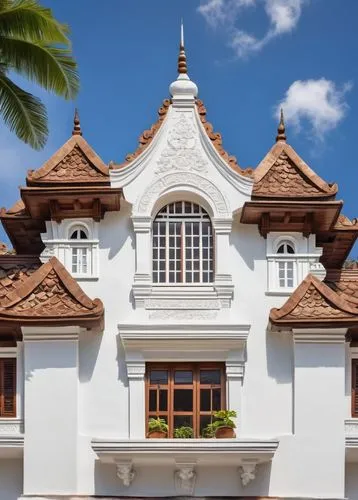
point(286, 268)
point(79, 253)
point(182, 244)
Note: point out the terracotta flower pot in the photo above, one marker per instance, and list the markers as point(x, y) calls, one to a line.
point(157, 435)
point(225, 432)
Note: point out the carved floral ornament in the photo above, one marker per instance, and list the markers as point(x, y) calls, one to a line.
point(182, 152)
point(182, 181)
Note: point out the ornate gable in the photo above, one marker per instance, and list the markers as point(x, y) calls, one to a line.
point(314, 302)
point(50, 293)
point(74, 163)
point(283, 174)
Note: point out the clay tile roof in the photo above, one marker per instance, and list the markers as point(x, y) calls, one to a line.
point(147, 136)
point(344, 223)
point(283, 174)
point(75, 163)
point(312, 302)
point(216, 141)
point(14, 274)
point(17, 209)
point(47, 293)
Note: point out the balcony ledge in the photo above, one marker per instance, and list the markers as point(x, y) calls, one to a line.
point(223, 451)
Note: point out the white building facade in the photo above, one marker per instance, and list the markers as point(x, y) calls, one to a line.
point(219, 289)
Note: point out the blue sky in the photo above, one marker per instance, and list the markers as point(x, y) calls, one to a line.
point(246, 56)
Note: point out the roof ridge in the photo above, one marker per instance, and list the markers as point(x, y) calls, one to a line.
point(303, 170)
point(39, 175)
point(329, 295)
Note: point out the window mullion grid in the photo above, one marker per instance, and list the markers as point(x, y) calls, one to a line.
point(183, 251)
point(167, 229)
point(200, 251)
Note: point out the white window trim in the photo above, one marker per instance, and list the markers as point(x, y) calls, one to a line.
point(58, 243)
point(14, 425)
point(305, 259)
point(191, 342)
point(177, 187)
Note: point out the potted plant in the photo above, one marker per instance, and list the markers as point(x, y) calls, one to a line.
point(183, 432)
point(223, 425)
point(157, 428)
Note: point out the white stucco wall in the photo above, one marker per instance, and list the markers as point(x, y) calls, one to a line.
point(282, 396)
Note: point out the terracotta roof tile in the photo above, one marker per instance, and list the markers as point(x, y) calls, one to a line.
point(146, 137)
point(314, 301)
point(75, 163)
point(217, 142)
point(283, 174)
point(13, 275)
point(44, 293)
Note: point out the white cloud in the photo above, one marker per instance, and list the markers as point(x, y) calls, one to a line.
point(218, 12)
point(321, 103)
point(283, 16)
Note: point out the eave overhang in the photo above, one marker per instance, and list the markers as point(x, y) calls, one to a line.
point(70, 202)
point(299, 216)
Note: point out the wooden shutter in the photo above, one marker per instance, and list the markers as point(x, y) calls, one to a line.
point(8, 387)
point(355, 388)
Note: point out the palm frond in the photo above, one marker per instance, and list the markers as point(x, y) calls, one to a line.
point(23, 113)
point(28, 19)
point(51, 67)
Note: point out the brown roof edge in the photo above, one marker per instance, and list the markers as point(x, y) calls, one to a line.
point(276, 315)
point(39, 176)
point(68, 281)
point(327, 190)
point(216, 141)
point(146, 137)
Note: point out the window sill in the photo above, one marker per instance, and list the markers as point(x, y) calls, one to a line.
point(85, 278)
point(280, 293)
point(223, 451)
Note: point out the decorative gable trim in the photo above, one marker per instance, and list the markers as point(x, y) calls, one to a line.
point(283, 174)
point(314, 302)
point(74, 163)
point(49, 295)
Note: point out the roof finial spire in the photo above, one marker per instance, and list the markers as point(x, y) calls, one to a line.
point(182, 67)
point(281, 130)
point(76, 124)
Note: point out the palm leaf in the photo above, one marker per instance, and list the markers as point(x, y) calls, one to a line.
point(51, 67)
point(28, 19)
point(23, 113)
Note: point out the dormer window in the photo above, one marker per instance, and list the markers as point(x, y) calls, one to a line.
point(182, 244)
point(286, 267)
point(80, 253)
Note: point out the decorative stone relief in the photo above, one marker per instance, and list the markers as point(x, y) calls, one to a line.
point(184, 479)
point(196, 182)
point(247, 473)
point(8, 427)
point(318, 270)
point(177, 314)
point(351, 428)
point(47, 253)
point(181, 304)
point(125, 473)
point(182, 151)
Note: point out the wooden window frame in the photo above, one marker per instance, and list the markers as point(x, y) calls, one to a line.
point(354, 388)
point(4, 413)
point(169, 414)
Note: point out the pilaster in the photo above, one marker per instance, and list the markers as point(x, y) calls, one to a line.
point(51, 409)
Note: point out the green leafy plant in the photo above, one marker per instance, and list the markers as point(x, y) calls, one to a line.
point(223, 418)
point(35, 45)
point(183, 432)
point(157, 425)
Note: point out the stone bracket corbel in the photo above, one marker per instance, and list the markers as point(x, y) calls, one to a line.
point(247, 472)
point(125, 472)
point(185, 477)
